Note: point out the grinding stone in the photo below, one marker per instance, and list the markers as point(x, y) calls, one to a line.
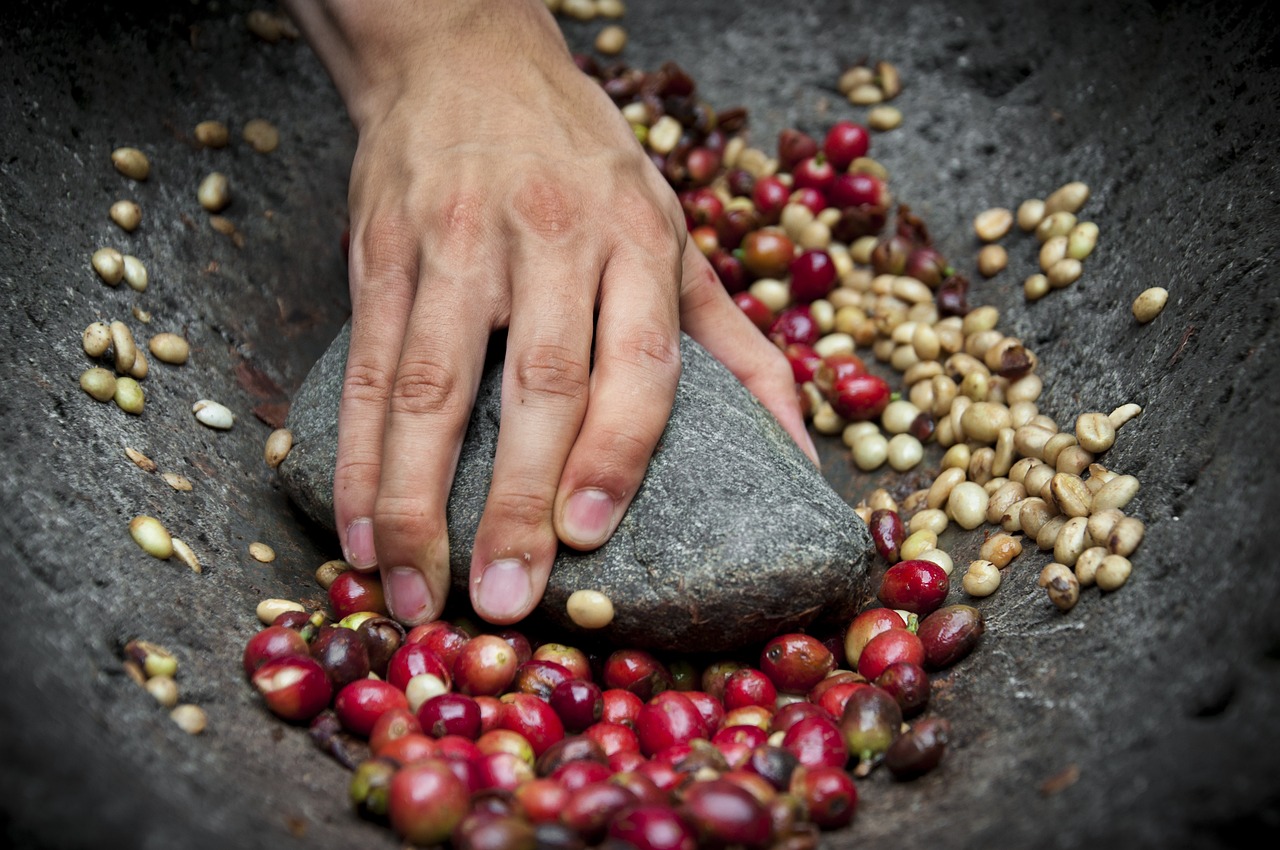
point(733, 537)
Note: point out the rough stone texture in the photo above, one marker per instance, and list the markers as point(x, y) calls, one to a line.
point(733, 536)
point(1165, 696)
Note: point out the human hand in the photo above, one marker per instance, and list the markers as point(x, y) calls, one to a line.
point(494, 185)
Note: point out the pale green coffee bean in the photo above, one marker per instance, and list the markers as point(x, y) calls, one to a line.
point(126, 348)
point(135, 273)
point(170, 348)
point(1087, 564)
point(1149, 304)
point(1030, 214)
point(967, 504)
point(131, 162)
point(931, 519)
point(870, 451)
point(127, 215)
point(1081, 241)
point(109, 264)
point(1070, 541)
point(904, 452)
point(151, 535)
point(917, 542)
point(1070, 197)
point(129, 397)
point(981, 579)
point(1116, 493)
point(1113, 572)
point(99, 383)
point(214, 192)
point(269, 609)
point(993, 224)
point(939, 557)
point(97, 339)
point(1055, 224)
point(277, 447)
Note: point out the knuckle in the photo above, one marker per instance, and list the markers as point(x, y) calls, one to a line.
point(462, 219)
point(365, 383)
point(651, 224)
point(652, 350)
point(524, 507)
point(547, 207)
point(424, 386)
point(619, 459)
point(550, 369)
point(354, 470)
point(387, 245)
point(406, 520)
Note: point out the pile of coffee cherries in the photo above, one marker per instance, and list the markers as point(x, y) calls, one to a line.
point(486, 739)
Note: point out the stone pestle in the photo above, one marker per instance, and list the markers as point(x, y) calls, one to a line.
point(734, 535)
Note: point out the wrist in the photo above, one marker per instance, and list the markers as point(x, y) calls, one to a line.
point(377, 51)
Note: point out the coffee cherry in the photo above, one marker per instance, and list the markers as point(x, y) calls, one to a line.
point(726, 815)
point(795, 325)
point(949, 634)
point(908, 683)
point(828, 794)
point(579, 704)
point(816, 172)
point(917, 586)
point(749, 687)
point(796, 662)
point(533, 718)
point(760, 315)
point(767, 252)
point(865, 626)
point(919, 749)
point(360, 704)
point(390, 725)
point(860, 398)
point(413, 660)
point(845, 142)
point(813, 275)
point(271, 643)
point(450, 714)
point(441, 637)
point(637, 671)
point(353, 592)
point(887, 648)
point(870, 723)
point(770, 195)
point(669, 718)
point(295, 688)
point(486, 665)
point(652, 827)
point(794, 146)
point(816, 741)
point(855, 190)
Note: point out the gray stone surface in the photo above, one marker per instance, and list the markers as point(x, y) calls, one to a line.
point(733, 537)
point(1164, 697)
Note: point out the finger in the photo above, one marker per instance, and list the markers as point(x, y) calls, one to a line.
point(633, 385)
point(544, 397)
point(383, 270)
point(708, 314)
point(437, 375)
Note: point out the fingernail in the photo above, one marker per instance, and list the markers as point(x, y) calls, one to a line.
point(360, 552)
point(588, 515)
point(407, 594)
point(504, 589)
